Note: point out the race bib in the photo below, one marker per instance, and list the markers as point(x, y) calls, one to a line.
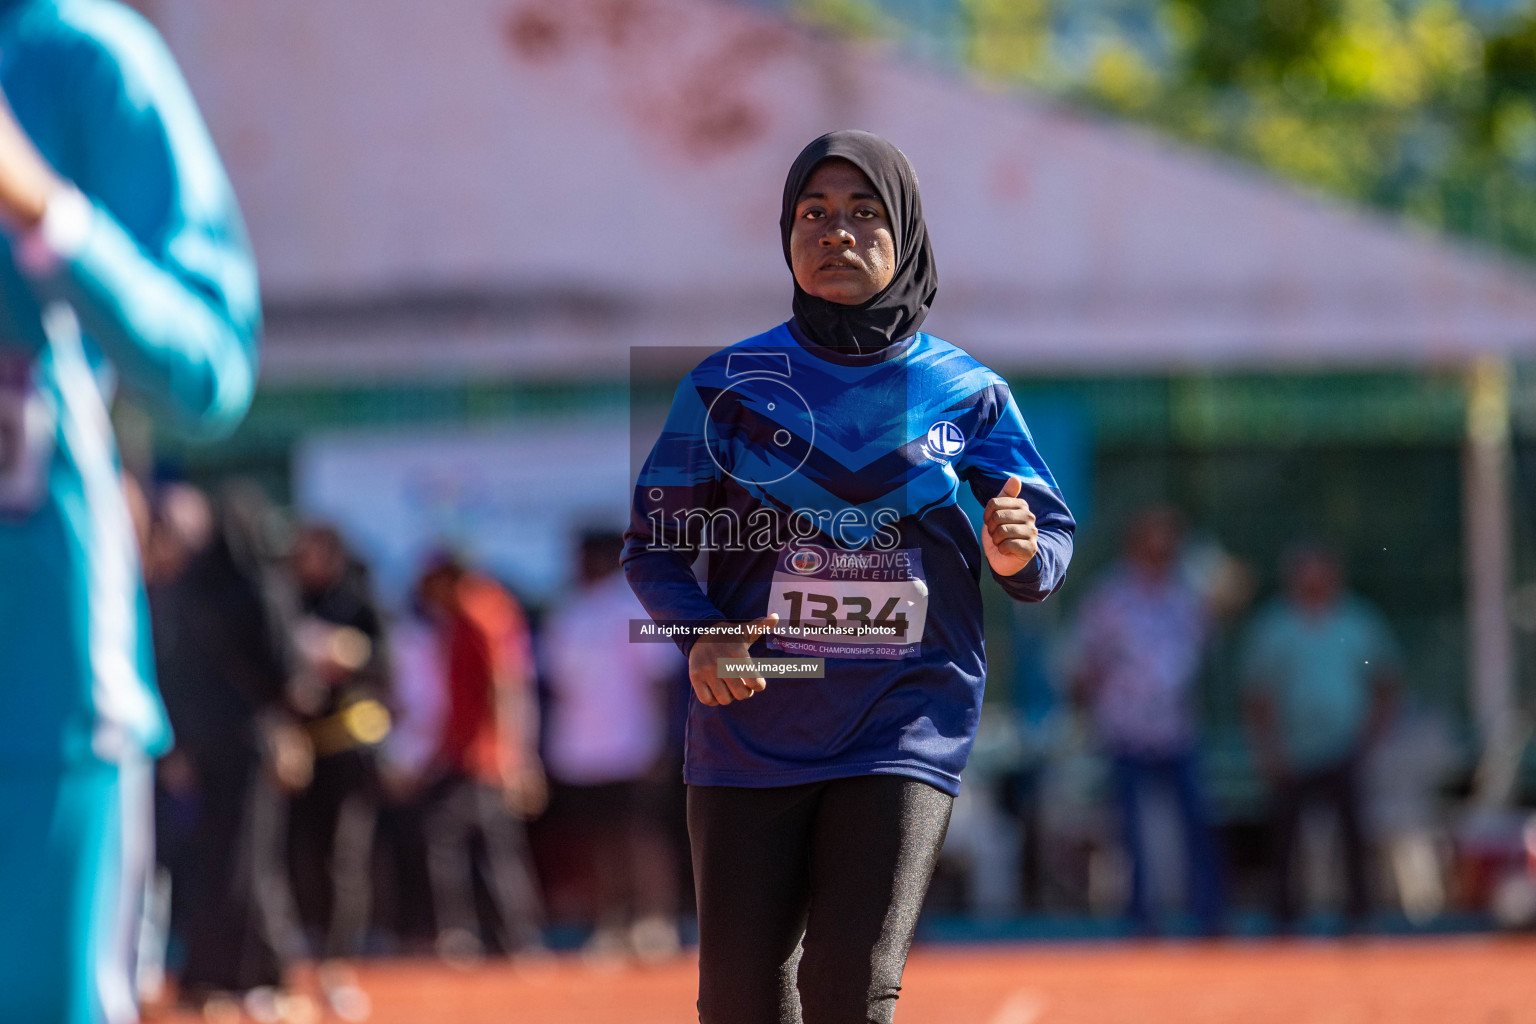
point(849, 604)
point(26, 438)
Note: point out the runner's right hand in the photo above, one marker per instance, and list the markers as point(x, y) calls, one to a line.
point(712, 690)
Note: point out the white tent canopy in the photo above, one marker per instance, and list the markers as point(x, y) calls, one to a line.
point(531, 187)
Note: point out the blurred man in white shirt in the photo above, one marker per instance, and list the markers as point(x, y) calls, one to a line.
point(606, 745)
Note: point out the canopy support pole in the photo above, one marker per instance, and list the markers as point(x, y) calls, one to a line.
point(1489, 560)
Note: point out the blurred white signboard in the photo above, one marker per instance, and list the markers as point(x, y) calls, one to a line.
point(513, 498)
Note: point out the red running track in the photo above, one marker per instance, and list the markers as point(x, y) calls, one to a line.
point(1419, 981)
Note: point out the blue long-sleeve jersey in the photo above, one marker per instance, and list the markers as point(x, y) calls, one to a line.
point(159, 292)
point(824, 486)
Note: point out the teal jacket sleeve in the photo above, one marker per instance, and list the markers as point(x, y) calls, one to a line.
point(163, 281)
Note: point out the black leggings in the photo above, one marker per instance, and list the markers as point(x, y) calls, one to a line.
point(808, 896)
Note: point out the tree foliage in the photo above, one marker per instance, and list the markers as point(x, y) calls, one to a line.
point(1427, 107)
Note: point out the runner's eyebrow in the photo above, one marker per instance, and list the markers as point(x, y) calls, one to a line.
point(822, 195)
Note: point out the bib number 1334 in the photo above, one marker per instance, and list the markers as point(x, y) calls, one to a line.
point(849, 604)
point(849, 609)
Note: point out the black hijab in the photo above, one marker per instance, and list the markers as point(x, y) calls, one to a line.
point(899, 310)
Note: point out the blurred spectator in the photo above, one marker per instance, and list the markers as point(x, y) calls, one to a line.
point(223, 630)
point(606, 750)
point(402, 892)
point(345, 714)
point(420, 694)
point(180, 527)
point(1142, 632)
point(485, 764)
point(1320, 668)
point(175, 526)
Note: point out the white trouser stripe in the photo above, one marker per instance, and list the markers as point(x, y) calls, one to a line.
point(117, 956)
point(125, 712)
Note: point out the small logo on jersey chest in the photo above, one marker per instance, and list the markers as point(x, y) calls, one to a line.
point(945, 441)
point(807, 560)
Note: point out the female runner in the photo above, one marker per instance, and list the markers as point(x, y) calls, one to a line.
point(819, 465)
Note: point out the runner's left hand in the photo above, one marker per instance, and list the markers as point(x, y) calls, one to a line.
point(26, 180)
point(1008, 534)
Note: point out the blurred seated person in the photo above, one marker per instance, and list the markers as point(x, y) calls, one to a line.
point(1320, 670)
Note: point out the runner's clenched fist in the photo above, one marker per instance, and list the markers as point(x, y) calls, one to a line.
point(711, 688)
point(1008, 530)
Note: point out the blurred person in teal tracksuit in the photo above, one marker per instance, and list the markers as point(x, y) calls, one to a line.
point(124, 261)
point(1320, 673)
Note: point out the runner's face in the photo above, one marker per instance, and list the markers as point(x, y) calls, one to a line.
point(841, 246)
